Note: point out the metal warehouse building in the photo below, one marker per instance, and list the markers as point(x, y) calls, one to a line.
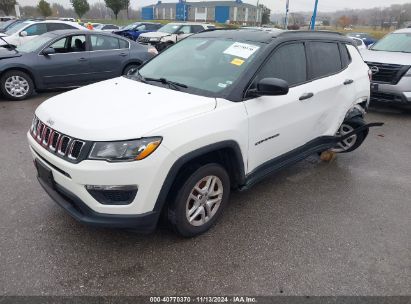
point(205, 11)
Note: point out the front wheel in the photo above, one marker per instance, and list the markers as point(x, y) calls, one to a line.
point(353, 142)
point(200, 200)
point(130, 69)
point(16, 85)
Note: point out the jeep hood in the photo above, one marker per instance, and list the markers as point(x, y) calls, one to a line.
point(386, 57)
point(119, 109)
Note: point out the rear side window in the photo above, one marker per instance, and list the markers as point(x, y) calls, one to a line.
point(101, 43)
point(324, 59)
point(36, 29)
point(287, 63)
point(345, 56)
point(58, 26)
point(197, 28)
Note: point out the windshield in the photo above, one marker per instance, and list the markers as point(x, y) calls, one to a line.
point(34, 44)
point(130, 26)
point(6, 24)
point(98, 26)
point(209, 65)
point(169, 28)
point(16, 28)
point(400, 42)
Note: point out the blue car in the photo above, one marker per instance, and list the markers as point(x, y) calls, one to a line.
point(132, 31)
point(368, 40)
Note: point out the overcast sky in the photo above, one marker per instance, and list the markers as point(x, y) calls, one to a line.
point(276, 6)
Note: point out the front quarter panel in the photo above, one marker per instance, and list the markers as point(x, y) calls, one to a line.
point(227, 122)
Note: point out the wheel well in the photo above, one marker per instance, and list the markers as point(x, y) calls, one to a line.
point(138, 63)
point(21, 70)
point(226, 157)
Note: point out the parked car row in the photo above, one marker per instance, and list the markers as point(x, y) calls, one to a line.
point(67, 58)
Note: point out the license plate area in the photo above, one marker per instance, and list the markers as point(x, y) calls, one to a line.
point(44, 173)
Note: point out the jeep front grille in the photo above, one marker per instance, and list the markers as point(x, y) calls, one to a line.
point(143, 39)
point(59, 144)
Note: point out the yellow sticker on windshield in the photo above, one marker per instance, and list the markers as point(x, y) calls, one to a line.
point(237, 61)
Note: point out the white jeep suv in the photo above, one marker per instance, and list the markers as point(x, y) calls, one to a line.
point(174, 139)
point(172, 33)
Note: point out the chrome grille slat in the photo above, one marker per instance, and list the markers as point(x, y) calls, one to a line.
point(63, 145)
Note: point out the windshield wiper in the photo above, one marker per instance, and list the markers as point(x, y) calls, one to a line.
point(175, 85)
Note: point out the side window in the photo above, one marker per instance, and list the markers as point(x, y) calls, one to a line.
point(101, 43)
point(287, 63)
point(345, 55)
point(151, 27)
point(197, 28)
point(324, 58)
point(123, 44)
point(58, 26)
point(36, 29)
point(70, 44)
point(186, 29)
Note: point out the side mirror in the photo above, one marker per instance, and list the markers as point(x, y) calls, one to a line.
point(48, 51)
point(23, 34)
point(271, 87)
point(180, 33)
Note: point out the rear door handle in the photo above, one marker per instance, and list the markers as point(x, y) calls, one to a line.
point(306, 96)
point(348, 81)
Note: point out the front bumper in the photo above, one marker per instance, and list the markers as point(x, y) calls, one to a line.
point(398, 94)
point(70, 180)
point(144, 223)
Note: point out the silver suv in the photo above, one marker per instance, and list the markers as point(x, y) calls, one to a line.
point(390, 61)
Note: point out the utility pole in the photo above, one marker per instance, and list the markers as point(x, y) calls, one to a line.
point(314, 16)
point(287, 5)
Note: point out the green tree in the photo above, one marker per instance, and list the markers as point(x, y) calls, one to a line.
point(115, 5)
point(44, 8)
point(81, 7)
point(265, 14)
point(7, 6)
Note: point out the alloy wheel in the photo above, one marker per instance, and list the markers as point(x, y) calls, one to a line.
point(17, 86)
point(347, 143)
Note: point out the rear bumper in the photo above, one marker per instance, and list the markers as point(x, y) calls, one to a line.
point(144, 223)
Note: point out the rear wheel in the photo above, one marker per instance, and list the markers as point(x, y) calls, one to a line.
point(353, 142)
point(200, 200)
point(16, 85)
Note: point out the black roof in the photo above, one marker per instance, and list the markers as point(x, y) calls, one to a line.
point(269, 36)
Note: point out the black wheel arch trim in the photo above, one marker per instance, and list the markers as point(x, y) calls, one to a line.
point(178, 165)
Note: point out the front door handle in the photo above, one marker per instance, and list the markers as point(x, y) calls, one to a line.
point(123, 54)
point(82, 59)
point(306, 96)
point(348, 81)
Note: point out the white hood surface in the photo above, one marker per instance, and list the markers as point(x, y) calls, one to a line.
point(119, 109)
point(155, 34)
point(386, 57)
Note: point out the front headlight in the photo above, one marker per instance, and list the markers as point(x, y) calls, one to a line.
point(128, 150)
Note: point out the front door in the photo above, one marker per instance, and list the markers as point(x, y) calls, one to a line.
point(68, 66)
point(279, 124)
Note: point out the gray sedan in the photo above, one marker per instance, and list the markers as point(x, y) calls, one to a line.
point(67, 58)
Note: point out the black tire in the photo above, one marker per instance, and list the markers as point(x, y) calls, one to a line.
point(21, 75)
point(355, 123)
point(130, 68)
point(177, 210)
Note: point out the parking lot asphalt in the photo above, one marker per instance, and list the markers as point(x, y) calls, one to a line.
point(317, 228)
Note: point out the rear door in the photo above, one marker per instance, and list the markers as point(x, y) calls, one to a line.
point(108, 55)
point(331, 86)
point(69, 66)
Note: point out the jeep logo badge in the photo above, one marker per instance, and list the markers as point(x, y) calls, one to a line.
point(374, 70)
point(50, 122)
